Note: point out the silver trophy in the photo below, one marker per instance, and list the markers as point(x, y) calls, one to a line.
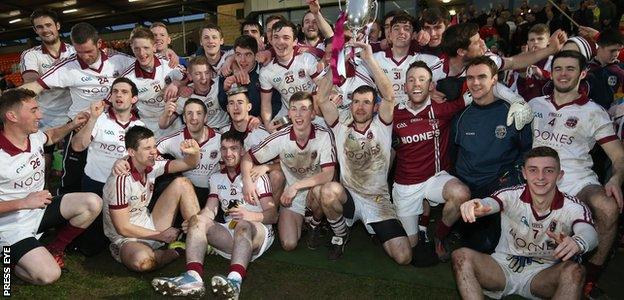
point(360, 13)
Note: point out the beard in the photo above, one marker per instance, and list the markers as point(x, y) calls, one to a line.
point(573, 85)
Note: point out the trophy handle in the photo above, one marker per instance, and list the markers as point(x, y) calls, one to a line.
point(374, 6)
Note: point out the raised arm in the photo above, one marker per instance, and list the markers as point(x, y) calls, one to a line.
point(323, 25)
point(190, 150)
point(523, 60)
point(386, 108)
point(57, 133)
point(82, 139)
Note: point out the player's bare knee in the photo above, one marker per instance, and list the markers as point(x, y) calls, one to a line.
point(402, 257)
point(572, 273)
point(94, 203)
point(47, 276)
point(288, 245)
point(242, 228)
point(182, 183)
point(606, 211)
point(329, 193)
point(144, 265)
point(460, 258)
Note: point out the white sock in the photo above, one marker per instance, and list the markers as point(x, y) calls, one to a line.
point(235, 276)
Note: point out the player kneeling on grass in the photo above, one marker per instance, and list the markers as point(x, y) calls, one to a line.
point(246, 234)
point(136, 233)
point(542, 232)
point(26, 209)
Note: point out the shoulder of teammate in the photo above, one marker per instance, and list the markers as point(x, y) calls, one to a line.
point(509, 196)
point(114, 193)
point(263, 186)
point(578, 210)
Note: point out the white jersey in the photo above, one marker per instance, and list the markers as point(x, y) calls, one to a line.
point(288, 79)
point(297, 162)
point(572, 130)
point(224, 56)
point(151, 88)
point(86, 84)
point(22, 173)
point(56, 101)
point(523, 232)
point(345, 88)
point(107, 144)
point(364, 157)
point(230, 190)
point(396, 70)
point(216, 117)
point(252, 137)
point(209, 150)
point(132, 191)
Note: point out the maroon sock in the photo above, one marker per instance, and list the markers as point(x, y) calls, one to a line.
point(424, 220)
point(442, 230)
point(239, 269)
point(65, 236)
point(197, 267)
point(593, 272)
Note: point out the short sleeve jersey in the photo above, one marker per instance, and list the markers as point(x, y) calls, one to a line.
point(396, 70)
point(572, 129)
point(364, 156)
point(216, 116)
point(297, 161)
point(151, 88)
point(131, 191)
point(288, 79)
point(524, 231)
point(209, 150)
point(423, 140)
point(22, 173)
point(107, 144)
point(54, 102)
point(86, 84)
point(230, 190)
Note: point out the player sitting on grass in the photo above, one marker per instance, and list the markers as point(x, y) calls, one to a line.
point(135, 232)
point(542, 232)
point(246, 234)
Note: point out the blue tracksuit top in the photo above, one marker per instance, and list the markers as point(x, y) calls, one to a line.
point(486, 148)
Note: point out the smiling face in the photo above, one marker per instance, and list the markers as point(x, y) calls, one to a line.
point(283, 43)
point(310, 27)
point(362, 107)
point(401, 34)
point(201, 75)
point(542, 174)
point(46, 29)
point(211, 41)
point(480, 81)
point(28, 115)
point(566, 74)
point(162, 39)
point(301, 113)
point(143, 50)
point(418, 85)
point(231, 152)
point(194, 116)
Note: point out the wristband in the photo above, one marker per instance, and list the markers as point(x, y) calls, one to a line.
point(580, 242)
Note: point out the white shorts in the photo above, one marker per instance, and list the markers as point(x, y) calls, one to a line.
point(408, 199)
point(51, 121)
point(118, 241)
point(299, 203)
point(14, 235)
point(516, 283)
point(368, 210)
point(573, 182)
point(269, 236)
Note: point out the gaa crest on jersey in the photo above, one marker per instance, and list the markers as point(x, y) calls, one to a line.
point(314, 155)
point(571, 122)
point(612, 80)
point(524, 221)
point(301, 73)
point(369, 135)
point(213, 154)
point(500, 132)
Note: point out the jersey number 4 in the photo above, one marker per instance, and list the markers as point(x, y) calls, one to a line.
point(552, 122)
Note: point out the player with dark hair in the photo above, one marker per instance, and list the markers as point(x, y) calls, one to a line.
point(543, 232)
point(26, 208)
